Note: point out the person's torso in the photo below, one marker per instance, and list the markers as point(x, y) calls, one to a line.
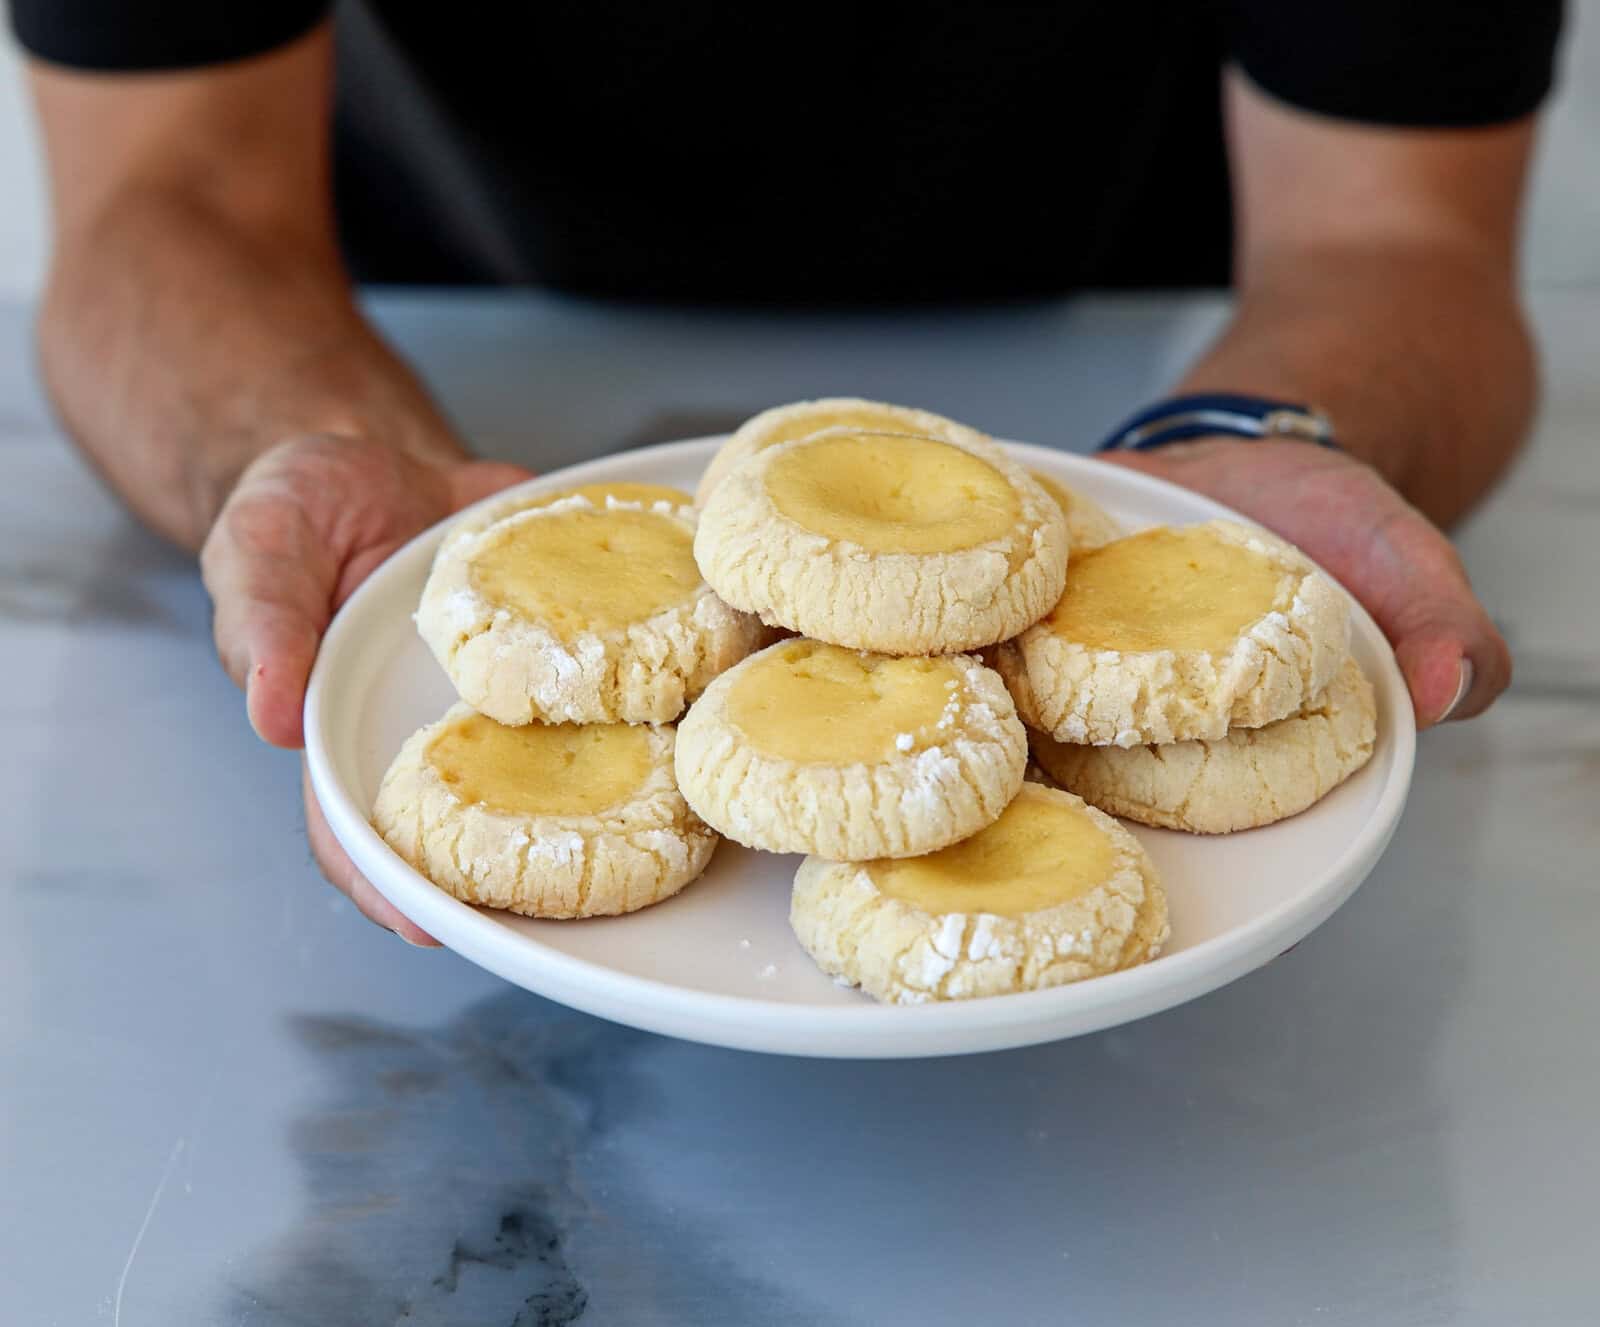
point(881, 153)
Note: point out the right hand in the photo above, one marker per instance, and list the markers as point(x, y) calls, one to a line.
point(305, 524)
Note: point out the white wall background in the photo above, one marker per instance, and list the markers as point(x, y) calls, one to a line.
point(1563, 237)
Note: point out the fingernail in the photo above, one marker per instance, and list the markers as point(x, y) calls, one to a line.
point(1462, 687)
point(394, 931)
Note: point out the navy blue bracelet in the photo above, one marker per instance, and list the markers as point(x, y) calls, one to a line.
point(1208, 414)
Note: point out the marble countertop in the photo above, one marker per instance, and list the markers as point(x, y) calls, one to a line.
point(227, 1099)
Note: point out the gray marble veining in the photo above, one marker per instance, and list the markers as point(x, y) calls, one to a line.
point(226, 1099)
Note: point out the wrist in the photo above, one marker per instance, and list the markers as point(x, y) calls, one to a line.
point(347, 384)
point(1192, 415)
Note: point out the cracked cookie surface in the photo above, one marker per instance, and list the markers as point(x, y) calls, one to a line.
point(1175, 634)
point(885, 542)
point(807, 747)
point(1251, 777)
point(544, 820)
point(1052, 892)
point(801, 419)
point(572, 612)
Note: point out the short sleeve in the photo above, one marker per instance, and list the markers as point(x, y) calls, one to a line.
point(112, 35)
point(1422, 63)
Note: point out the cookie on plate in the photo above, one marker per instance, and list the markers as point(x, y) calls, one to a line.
point(784, 423)
point(1175, 634)
point(885, 542)
point(577, 613)
point(807, 747)
point(1053, 891)
point(1088, 524)
point(549, 820)
point(1251, 777)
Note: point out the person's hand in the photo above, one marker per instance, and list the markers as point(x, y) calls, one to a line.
point(1341, 512)
point(305, 524)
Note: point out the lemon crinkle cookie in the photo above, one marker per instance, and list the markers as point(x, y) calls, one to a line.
point(1251, 777)
point(885, 542)
point(785, 423)
point(1053, 891)
point(550, 820)
point(807, 747)
point(581, 613)
point(1177, 634)
point(1088, 524)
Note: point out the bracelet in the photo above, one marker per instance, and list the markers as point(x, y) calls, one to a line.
point(1180, 418)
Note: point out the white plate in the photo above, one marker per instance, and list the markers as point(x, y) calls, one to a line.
point(718, 963)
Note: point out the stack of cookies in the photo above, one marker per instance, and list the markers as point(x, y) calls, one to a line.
point(575, 628)
point(1197, 679)
point(931, 596)
point(894, 544)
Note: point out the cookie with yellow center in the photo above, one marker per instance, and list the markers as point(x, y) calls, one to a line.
point(549, 820)
point(1173, 635)
point(785, 423)
point(1088, 524)
point(1052, 892)
point(807, 747)
point(573, 612)
point(1251, 777)
point(885, 542)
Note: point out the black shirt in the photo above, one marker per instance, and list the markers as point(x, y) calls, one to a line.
point(808, 154)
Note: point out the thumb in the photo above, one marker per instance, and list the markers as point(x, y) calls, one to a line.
point(1454, 659)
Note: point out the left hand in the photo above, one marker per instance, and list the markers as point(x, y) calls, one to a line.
point(1342, 513)
point(305, 524)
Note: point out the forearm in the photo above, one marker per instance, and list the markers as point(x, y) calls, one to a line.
point(178, 345)
point(1422, 360)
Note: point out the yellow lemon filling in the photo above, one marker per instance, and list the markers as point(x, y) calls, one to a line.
point(622, 491)
point(819, 704)
point(1167, 590)
point(893, 494)
point(1040, 853)
point(589, 570)
point(541, 769)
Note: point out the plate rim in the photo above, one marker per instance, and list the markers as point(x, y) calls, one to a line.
point(936, 1028)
